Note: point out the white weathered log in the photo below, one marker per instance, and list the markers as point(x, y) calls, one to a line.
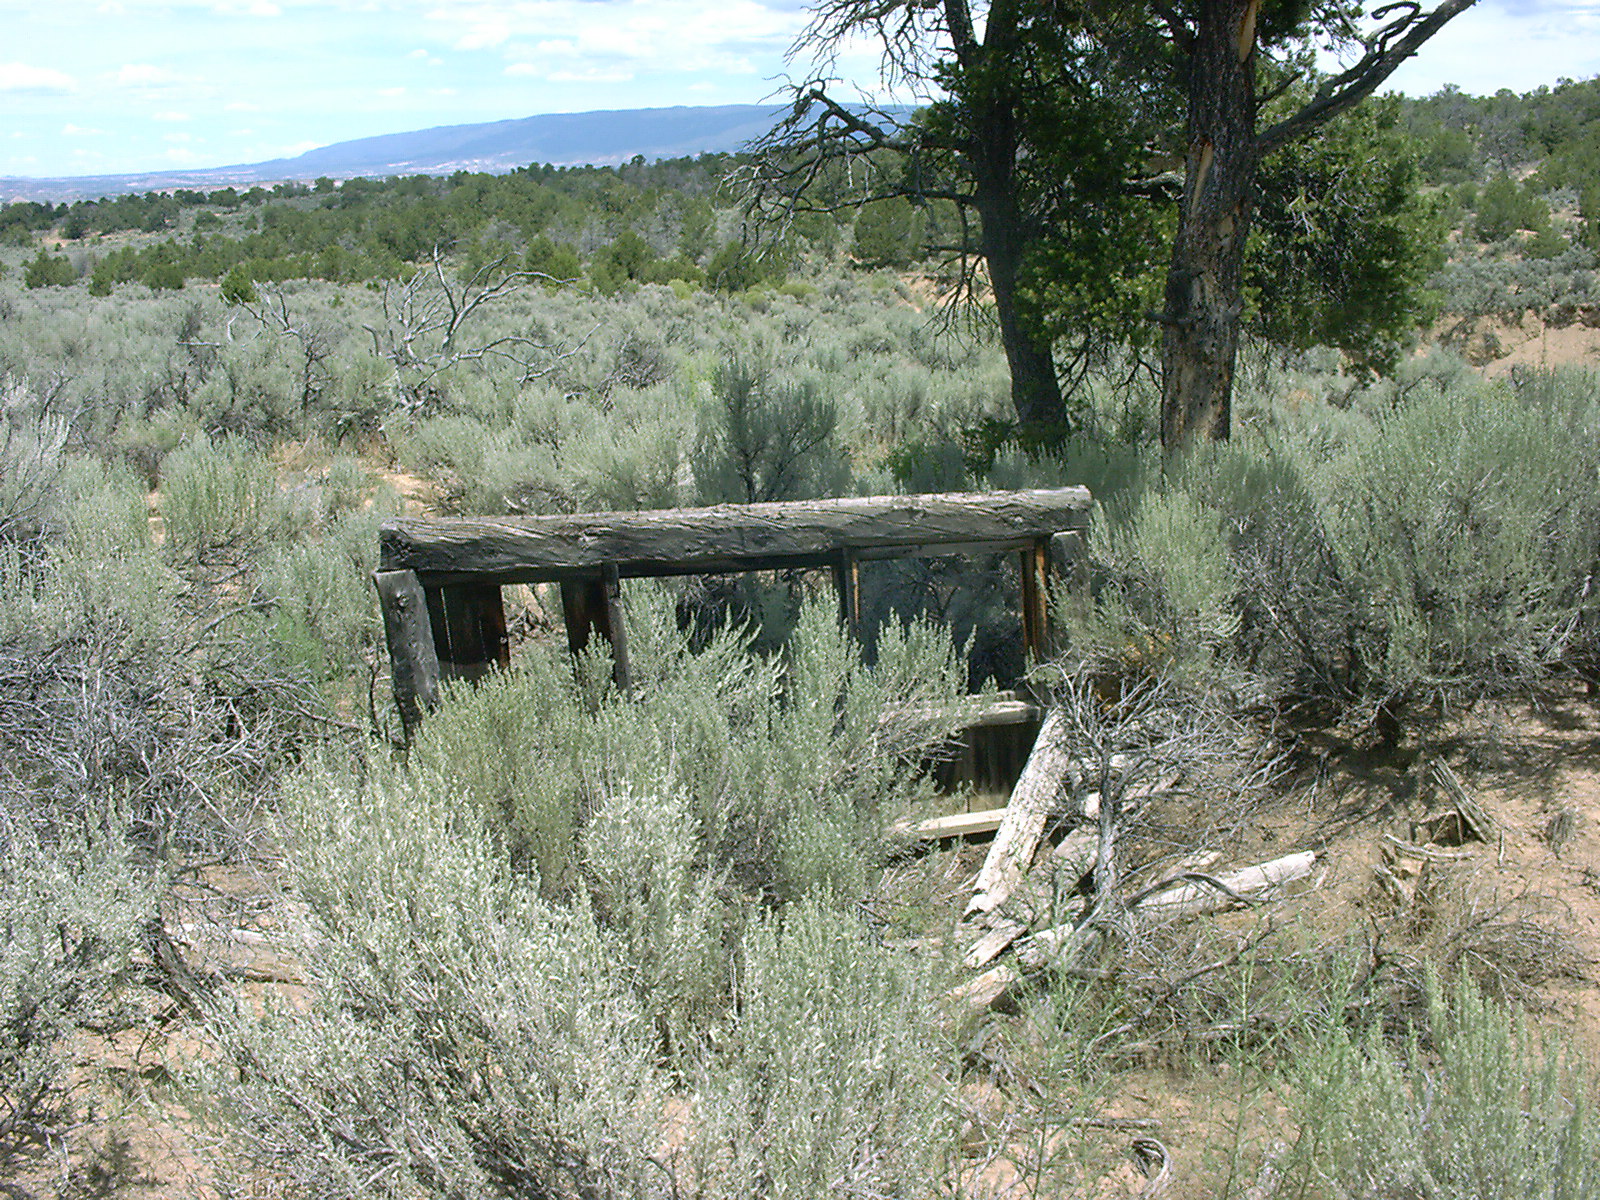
point(1041, 790)
point(1191, 899)
point(1064, 942)
point(993, 944)
point(1201, 860)
point(992, 989)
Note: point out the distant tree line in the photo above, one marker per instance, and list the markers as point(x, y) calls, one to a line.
point(616, 227)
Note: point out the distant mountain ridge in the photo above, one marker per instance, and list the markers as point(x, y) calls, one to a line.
point(564, 139)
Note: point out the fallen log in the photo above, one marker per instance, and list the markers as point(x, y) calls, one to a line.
point(1040, 791)
point(993, 944)
point(1040, 796)
point(1202, 894)
point(1076, 854)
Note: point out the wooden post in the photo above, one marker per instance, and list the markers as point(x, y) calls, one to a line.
point(616, 629)
point(1035, 568)
point(594, 606)
point(582, 609)
point(847, 584)
point(414, 662)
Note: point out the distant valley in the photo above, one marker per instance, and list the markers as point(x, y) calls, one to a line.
point(564, 139)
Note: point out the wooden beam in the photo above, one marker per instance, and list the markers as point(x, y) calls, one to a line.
point(970, 712)
point(1042, 791)
point(413, 660)
point(957, 825)
point(730, 537)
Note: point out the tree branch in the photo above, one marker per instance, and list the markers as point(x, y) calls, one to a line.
point(1387, 48)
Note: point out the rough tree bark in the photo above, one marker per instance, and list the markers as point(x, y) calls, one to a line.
point(1218, 47)
point(1205, 293)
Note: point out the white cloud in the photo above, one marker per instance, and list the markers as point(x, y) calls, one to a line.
point(181, 156)
point(243, 106)
point(21, 77)
point(171, 116)
point(391, 92)
point(144, 75)
point(71, 130)
point(591, 75)
point(611, 41)
point(483, 34)
point(177, 137)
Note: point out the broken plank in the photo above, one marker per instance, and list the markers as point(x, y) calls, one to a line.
point(958, 825)
point(1041, 791)
point(992, 989)
point(975, 712)
point(993, 944)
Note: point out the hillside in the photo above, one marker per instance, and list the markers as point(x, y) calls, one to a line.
point(563, 139)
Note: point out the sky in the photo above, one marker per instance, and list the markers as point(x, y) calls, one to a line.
point(120, 86)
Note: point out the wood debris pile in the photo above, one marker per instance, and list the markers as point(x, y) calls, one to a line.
point(1048, 894)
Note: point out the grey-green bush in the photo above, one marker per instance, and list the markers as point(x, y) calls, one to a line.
point(1481, 1114)
point(1435, 553)
point(73, 906)
point(606, 945)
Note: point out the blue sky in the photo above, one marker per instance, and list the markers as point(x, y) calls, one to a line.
point(109, 86)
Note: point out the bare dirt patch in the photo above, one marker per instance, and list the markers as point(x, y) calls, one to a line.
point(1499, 345)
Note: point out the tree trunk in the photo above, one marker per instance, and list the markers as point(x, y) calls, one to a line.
point(1035, 390)
point(1204, 297)
point(992, 153)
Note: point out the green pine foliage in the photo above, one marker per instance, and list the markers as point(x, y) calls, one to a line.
point(1342, 254)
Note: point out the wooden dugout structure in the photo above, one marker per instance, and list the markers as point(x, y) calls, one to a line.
point(439, 580)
